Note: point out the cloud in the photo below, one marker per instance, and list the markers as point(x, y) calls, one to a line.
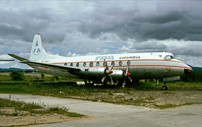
point(150, 45)
point(99, 27)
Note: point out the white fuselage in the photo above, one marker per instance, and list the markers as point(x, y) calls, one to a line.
point(141, 65)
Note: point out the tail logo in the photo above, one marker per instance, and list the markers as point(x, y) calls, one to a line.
point(37, 49)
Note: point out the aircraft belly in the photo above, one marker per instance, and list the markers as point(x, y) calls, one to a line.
point(156, 72)
point(156, 69)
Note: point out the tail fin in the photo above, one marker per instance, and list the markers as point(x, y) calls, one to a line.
point(38, 53)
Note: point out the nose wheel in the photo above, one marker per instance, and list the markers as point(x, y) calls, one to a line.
point(164, 87)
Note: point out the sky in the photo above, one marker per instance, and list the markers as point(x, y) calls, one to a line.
point(90, 27)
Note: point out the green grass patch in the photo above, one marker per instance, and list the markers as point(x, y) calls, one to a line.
point(112, 94)
point(19, 107)
point(166, 106)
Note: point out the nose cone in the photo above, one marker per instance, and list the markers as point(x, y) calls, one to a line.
point(189, 68)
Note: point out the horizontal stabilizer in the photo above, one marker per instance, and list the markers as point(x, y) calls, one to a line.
point(18, 57)
point(38, 65)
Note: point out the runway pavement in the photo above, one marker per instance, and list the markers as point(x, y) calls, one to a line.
point(105, 114)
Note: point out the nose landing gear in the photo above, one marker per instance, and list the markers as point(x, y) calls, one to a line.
point(164, 87)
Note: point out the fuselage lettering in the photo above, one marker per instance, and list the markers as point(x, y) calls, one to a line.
point(104, 57)
point(129, 57)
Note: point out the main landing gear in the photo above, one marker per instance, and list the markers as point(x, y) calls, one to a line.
point(164, 87)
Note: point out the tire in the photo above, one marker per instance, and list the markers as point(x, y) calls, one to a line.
point(164, 88)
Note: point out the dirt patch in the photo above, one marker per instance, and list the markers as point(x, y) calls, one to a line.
point(14, 113)
point(32, 120)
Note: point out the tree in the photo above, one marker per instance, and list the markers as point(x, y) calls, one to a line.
point(42, 76)
point(17, 76)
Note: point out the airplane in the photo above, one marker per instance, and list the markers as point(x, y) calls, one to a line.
point(110, 69)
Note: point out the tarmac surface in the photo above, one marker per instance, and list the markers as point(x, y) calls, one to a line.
point(105, 114)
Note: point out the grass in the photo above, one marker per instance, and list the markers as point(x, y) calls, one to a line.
point(67, 89)
point(32, 109)
point(91, 93)
point(186, 85)
point(34, 77)
point(166, 106)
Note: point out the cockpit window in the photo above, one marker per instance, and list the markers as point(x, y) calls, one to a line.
point(169, 57)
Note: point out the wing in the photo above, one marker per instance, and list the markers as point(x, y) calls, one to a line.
point(46, 67)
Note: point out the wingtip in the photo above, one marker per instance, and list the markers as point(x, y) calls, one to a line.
point(17, 57)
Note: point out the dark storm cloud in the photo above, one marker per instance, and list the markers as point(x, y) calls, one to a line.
point(130, 19)
point(179, 22)
point(102, 26)
point(24, 24)
point(151, 46)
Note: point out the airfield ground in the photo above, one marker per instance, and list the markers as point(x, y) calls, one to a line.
point(155, 101)
point(105, 114)
point(147, 96)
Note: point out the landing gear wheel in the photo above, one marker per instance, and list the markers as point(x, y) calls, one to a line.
point(87, 82)
point(164, 88)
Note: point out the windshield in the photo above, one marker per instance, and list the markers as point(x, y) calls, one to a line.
point(169, 57)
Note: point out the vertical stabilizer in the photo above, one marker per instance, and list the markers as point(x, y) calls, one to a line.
point(38, 53)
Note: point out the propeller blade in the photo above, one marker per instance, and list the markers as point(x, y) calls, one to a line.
point(127, 74)
point(112, 82)
point(111, 67)
point(106, 64)
point(104, 78)
point(130, 79)
point(108, 71)
point(127, 70)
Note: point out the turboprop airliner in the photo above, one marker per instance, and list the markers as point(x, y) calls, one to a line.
point(111, 69)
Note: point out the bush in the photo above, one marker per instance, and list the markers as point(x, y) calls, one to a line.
point(17, 76)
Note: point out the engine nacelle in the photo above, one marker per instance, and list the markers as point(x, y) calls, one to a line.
point(117, 74)
point(101, 72)
point(96, 71)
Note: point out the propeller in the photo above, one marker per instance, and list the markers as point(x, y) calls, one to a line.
point(127, 74)
point(108, 73)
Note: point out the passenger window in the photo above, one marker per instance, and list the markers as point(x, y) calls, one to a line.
point(128, 62)
point(105, 63)
point(112, 63)
point(97, 64)
point(120, 63)
point(77, 64)
point(91, 64)
point(84, 64)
